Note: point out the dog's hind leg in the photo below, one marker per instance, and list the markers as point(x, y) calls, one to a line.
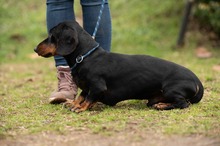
point(154, 99)
point(159, 103)
point(157, 100)
point(172, 100)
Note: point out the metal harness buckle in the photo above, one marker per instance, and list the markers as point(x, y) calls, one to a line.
point(79, 59)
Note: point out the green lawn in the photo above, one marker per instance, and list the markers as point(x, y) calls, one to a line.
point(139, 27)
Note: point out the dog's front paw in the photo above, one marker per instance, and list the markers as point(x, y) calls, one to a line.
point(69, 104)
point(78, 105)
point(77, 108)
point(73, 104)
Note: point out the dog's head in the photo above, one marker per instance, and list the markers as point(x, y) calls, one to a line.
point(62, 40)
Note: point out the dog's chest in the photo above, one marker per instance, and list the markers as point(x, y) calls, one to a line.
point(80, 81)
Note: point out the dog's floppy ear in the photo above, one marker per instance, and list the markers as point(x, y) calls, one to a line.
point(66, 40)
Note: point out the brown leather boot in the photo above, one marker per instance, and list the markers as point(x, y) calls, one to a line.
point(67, 88)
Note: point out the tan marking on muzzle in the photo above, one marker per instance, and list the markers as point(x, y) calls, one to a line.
point(46, 50)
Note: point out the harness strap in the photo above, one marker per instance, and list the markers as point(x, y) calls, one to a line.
point(99, 19)
point(80, 58)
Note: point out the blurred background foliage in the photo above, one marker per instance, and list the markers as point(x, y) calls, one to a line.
point(208, 14)
point(146, 27)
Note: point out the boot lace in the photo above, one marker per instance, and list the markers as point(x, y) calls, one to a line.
point(65, 81)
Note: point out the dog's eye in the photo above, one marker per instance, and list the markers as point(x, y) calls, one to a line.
point(69, 40)
point(53, 39)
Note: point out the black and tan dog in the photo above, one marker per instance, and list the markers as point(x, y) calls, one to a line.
point(110, 77)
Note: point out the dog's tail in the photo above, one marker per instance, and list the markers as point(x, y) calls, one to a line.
point(199, 93)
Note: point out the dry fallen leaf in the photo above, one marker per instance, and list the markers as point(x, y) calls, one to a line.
point(216, 67)
point(202, 52)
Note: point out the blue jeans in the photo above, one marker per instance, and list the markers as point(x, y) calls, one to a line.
point(62, 10)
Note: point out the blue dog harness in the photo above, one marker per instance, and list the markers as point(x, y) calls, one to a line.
point(80, 58)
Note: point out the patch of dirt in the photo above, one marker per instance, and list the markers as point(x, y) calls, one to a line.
point(129, 138)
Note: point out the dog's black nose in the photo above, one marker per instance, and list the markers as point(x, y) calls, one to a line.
point(35, 49)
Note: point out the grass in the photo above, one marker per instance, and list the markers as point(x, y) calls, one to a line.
point(150, 27)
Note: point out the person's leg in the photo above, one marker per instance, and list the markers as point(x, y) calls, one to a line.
point(91, 9)
point(59, 11)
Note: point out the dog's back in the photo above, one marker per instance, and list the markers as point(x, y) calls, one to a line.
point(140, 76)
